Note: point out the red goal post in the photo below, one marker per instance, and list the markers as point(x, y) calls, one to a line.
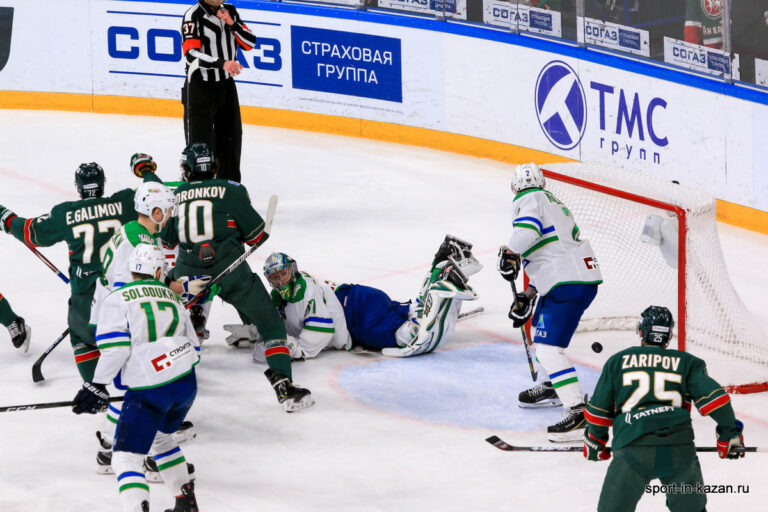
point(614, 208)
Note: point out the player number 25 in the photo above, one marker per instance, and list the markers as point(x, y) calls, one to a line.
point(660, 391)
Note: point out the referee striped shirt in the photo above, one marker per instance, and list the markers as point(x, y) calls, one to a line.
point(208, 41)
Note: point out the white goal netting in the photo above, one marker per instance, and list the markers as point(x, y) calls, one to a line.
point(642, 263)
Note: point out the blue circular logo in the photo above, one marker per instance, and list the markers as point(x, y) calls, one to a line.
point(561, 105)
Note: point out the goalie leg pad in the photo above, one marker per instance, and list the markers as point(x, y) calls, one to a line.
point(131, 482)
point(437, 325)
point(561, 373)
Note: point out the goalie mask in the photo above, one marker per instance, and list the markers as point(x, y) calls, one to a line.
point(527, 176)
point(655, 326)
point(281, 273)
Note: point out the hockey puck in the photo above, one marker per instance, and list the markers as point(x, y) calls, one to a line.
point(597, 347)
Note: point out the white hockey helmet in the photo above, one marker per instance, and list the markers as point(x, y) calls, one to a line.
point(151, 195)
point(527, 176)
point(146, 259)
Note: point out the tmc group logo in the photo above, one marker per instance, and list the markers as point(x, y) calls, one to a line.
point(561, 105)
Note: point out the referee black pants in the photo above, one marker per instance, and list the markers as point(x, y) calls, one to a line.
point(212, 115)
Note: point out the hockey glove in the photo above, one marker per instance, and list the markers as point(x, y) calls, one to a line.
point(193, 285)
point(141, 163)
point(521, 310)
point(91, 398)
point(508, 264)
point(594, 447)
point(726, 444)
point(5, 217)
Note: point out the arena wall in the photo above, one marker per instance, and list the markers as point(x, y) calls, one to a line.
point(448, 85)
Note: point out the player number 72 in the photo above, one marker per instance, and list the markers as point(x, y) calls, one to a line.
point(660, 391)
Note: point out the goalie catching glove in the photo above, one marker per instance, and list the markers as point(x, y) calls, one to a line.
point(141, 163)
point(726, 444)
point(91, 398)
point(508, 264)
point(522, 309)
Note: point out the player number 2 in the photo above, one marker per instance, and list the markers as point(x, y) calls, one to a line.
point(660, 391)
point(196, 221)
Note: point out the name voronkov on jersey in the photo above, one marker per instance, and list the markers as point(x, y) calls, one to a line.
point(94, 212)
point(155, 292)
point(202, 193)
point(648, 360)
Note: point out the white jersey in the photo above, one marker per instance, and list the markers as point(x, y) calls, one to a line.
point(314, 317)
point(115, 269)
point(145, 333)
point(546, 236)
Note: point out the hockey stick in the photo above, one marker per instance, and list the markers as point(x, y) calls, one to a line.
point(49, 264)
point(470, 313)
point(37, 372)
point(526, 341)
point(271, 208)
point(501, 445)
point(48, 405)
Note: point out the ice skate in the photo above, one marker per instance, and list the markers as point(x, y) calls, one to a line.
point(540, 395)
point(570, 428)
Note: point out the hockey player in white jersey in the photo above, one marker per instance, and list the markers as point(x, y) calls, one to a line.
point(321, 315)
point(155, 205)
point(564, 274)
point(145, 334)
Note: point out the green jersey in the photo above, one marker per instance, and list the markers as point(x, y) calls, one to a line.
point(85, 225)
point(648, 389)
point(704, 22)
point(214, 211)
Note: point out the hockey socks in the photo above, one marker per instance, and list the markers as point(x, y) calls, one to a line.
point(86, 357)
point(6, 313)
point(170, 461)
point(131, 482)
point(561, 373)
point(278, 357)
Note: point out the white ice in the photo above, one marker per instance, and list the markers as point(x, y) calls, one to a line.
point(386, 435)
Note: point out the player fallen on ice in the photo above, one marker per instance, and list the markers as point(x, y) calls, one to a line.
point(155, 205)
point(145, 333)
point(645, 394)
point(320, 315)
point(564, 274)
point(85, 225)
point(17, 328)
point(215, 220)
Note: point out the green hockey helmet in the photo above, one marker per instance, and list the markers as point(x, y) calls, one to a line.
point(655, 326)
point(197, 162)
point(89, 180)
point(281, 272)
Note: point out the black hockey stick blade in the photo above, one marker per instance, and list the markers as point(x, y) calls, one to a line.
point(501, 445)
point(37, 368)
point(48, 405)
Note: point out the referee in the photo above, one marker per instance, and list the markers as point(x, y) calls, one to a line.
point(212, 31)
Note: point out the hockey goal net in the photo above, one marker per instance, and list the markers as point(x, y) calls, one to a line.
point(657, 243)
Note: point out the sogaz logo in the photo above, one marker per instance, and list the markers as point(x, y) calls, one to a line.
point(6, 26)
point(561, 105)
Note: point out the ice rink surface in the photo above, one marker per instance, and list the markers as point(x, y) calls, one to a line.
point(386, 435)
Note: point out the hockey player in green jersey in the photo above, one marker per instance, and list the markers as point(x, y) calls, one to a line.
point(19, 331)
point(86, 226)
point(215, 218)
point(645, 393)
